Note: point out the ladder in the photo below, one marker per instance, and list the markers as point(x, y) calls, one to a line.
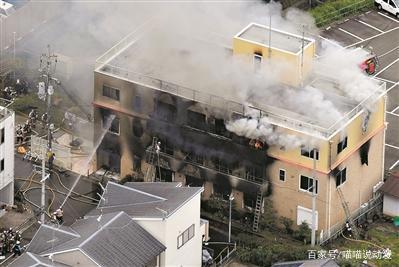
point(257, 211)
point(150, 173)
point(348, 215)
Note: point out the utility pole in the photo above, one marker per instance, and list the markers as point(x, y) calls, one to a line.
point(314, 187)
point(46, 63)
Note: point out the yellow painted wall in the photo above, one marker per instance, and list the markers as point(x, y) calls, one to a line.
point(291, 73)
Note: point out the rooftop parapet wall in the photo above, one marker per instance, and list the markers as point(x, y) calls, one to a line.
point(109, 65)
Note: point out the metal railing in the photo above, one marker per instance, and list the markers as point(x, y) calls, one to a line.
point(242, 175)
point(338, 228)
point(272, 114)
point(352, 9)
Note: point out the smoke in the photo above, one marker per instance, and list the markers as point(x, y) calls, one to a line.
point(192, 47)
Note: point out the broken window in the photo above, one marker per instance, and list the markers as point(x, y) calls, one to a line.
point(196, 120)
point(282, 175)
point(195, 158)
point(249, 200)
point(138, 130)
point(105, 117)
point(221, 190)
point(194, 181)
point(111, 92)
point(364, 153)
point(220, 128)
point(342, 145)
point(340, 178)
point(223, 166)
point(164, 175)
point(257, 61)
point(310, 154)
point(166, 146)
point(253, 173)
point(166, 111)
point(306, 184)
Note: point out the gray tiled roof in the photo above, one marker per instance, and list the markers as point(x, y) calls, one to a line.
point(29, 259)
point(154, 200)
point(114, 240)
point(50, 236)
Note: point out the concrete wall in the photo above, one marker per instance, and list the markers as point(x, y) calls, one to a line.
point(167, 231)
point(7, 153)
point(391, 206)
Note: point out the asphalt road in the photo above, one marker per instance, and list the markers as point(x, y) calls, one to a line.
point(380, 31)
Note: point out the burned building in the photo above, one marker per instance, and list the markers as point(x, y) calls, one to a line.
point(192, 110)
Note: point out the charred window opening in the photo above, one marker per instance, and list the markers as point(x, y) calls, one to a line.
point(193, 181)
point(220, 128)
point(253, 173)
point(342, 145)
point(222, 190)
point(310, 154)
point(110, 159)
point(224, 166)
point(165, 111)
point(257, 61)
point(196, 120)
point(166, 146)
point(306, 183)
point(105, 117)
point(249, 200)
point(166, 175)
point(340, 177)
point(111, 92)
point(364, 153)
point(137, 106)
point(138, 130)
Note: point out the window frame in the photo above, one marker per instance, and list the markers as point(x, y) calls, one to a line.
point(185, 236)
point(342, 145)
point(279, 174)
point(109, 130)
point(257, 61)
point(2, 165)
point(309, 153)
point(3, 135)
point(118, 93)
point(308, 190)
point(339, 176)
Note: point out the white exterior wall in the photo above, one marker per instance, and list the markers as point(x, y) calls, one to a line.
point(391, 206)
point(7, 153)
point(167, 231)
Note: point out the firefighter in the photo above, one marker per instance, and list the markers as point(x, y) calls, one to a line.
point(44, 119)
point(348, 229)
point(17, 249)
point(33, 118)
point(19, 134)
point(51, 158)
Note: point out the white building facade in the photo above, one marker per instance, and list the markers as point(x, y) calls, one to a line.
point(7, 123)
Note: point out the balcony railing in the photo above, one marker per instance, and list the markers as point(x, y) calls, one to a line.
point(164, 162)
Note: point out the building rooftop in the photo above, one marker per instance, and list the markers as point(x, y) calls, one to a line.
point(112, 239)
point(145, 200)
point(176, 63)
point(277, 39)
point(29, 259)
point(391, 186)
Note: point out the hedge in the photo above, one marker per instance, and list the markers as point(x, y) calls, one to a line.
point(334, 10)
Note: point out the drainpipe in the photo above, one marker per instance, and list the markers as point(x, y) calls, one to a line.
point(329, 188)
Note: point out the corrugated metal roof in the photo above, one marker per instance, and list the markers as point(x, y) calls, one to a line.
point(391, 186)
point(29, 259)
point(148, 200)
point(114, 240)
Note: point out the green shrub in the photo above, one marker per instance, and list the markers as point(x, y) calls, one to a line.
point(335, 10)
point(303, 233)
point(287, 224)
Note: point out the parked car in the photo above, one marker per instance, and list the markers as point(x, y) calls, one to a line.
point(391, 6)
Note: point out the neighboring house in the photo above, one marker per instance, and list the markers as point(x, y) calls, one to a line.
point(157, 93)
point(7, 120)
point(169, 212)
point(113, 239)
point(308, 263)
point(390, 189)
point(29, 259)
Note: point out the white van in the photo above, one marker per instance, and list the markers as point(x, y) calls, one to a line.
point(391, 6)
